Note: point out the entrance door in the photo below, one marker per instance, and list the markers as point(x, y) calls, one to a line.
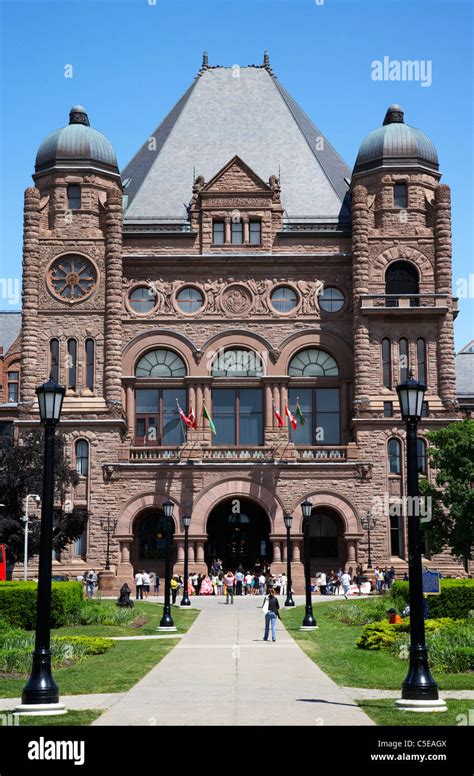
point(239, 534)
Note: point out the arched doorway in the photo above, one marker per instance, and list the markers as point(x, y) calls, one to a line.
point(148, 548)
point(238, 533)
point(326, 540)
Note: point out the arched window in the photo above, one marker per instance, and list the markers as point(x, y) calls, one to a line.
point(237, 362)
point(404, 359)
point(90, 364)
point(54, 359)
point(161, 363)
point(387, 363)
point(72, 363)
point(401, 278)
point(421, 359)
point(421, 451)
point(394, 455)
point(323, 536)
point(313, 363)
point(82, 457)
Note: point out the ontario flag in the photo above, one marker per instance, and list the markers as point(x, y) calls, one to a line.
point(291, 418)
point(278, 416)
point(184, 417)
point(192, 417)
point(299, 413)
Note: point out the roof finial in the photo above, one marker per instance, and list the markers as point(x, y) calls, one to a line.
point(78, 115)
point(205, 59)
point(266, 59)
point(394, 115)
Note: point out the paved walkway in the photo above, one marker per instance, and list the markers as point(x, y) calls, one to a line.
point(222, 659)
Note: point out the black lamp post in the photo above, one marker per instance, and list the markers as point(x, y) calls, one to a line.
point(289, 595)
point(185, 600)
point(108, 524)
point(40, 694)
point(309, 622)
point(419, 690)
point(368, 524)
point(166, 622)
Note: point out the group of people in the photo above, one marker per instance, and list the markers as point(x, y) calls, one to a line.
point(384, 578)
point(230, 583)
point(339, 582)
point(144, 582)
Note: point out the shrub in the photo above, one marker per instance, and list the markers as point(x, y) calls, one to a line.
point(93, 645)
point(358, 613)
point(16, 650)
point(450, 648)
point(385, 635)
point(18, 602)
point(456, 599)
point(95, 613)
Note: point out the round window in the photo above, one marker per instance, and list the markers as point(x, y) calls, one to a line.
point(72, 278)
point(189, 299)
point(142, 300)
point(284, 299)
point(331, 300)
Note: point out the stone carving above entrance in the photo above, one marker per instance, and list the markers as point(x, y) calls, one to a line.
point(236, 300)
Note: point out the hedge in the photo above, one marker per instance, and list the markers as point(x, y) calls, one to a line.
point(18, 603)
point(456, 599)
point(383, 634)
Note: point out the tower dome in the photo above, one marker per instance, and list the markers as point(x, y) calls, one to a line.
point(75, 146)
point(396, 144)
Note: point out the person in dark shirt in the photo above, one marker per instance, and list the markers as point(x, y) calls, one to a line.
point(271, 615)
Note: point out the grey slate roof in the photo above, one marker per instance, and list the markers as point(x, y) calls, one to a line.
point(465, 372)
point(10, 326)
point(228, 112)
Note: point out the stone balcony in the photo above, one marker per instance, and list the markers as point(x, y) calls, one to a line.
point(285, 453)
point(403, 304)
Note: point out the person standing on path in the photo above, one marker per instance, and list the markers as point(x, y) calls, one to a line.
point(229, 581)
point(146, 584)
point(261, 583)
point(346, 583)
point(271, 615)
point(156, 585)
point(139, 584)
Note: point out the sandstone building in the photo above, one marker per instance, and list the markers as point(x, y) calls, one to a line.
point(236, 265)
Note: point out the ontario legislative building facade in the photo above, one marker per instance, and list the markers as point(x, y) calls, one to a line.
point(236, 267)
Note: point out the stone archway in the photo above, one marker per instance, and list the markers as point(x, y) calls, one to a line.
point(238, 534)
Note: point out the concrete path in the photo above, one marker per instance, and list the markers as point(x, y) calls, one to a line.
point(365, 693)
point(221, 666)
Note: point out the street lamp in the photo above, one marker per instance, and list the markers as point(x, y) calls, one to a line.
point(419, 690)
point(166, 622)
point(108, 524)
point(368, 524)
point(289, 595)
point(26, 520)
point(309, 622)
point(185, 600)
point(40, 694)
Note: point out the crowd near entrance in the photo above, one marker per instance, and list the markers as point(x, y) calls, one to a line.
point(239, 534)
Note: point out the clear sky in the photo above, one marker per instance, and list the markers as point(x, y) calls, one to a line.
point(132, 59)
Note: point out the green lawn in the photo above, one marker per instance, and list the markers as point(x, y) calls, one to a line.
point(384, 712)
point(333, 648)
point(118, 669)
point(63, 720)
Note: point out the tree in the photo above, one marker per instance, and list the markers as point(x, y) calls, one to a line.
point(452, 493)
point(21, 472)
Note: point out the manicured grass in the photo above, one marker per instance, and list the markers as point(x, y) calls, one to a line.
point(333, 648)
point(384, 712)
point(63, 720)
point(183, 619)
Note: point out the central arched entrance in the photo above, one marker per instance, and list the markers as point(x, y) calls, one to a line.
point(148, 548)
point(238, 533)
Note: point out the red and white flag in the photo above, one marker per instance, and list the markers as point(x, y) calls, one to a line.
point(192, 418)
point(184, 417)
point(278, 416)
point(291, 418)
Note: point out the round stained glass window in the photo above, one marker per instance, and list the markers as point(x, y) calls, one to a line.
point(72, 278)
point(331, 300)
point(284, 299)
point(189, 299)
point(142, 300)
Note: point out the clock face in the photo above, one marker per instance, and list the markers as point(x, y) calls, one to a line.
point(72, 278)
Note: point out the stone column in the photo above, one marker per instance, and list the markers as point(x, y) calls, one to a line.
point(446, 363)
point(199, 398)
point(268, 406)
point(192, 399)
point(360, 251)
point(246, 230)
point(283, 400)
point(180, 555)
point(131, 410)
point(227, 231)
point(113, 299)
point(125, 568)
point(200, 551)
point(191, 552)
point(296, 549)
point(276, 550)
point(276, 401)
point(30, 300)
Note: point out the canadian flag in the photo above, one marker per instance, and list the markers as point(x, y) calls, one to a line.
point(292, 420)
point(183, 417)
point(192, 417)
point(278, 416)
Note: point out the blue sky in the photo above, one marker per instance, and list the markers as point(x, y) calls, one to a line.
point(132, 60)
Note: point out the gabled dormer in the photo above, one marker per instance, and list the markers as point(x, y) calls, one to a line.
point(236, 211)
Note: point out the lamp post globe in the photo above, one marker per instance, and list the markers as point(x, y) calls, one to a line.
point(419, 690)
point(185, 600)
point(309, 622)
point(166, 622)
point(40, 694)
point(288, 519)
